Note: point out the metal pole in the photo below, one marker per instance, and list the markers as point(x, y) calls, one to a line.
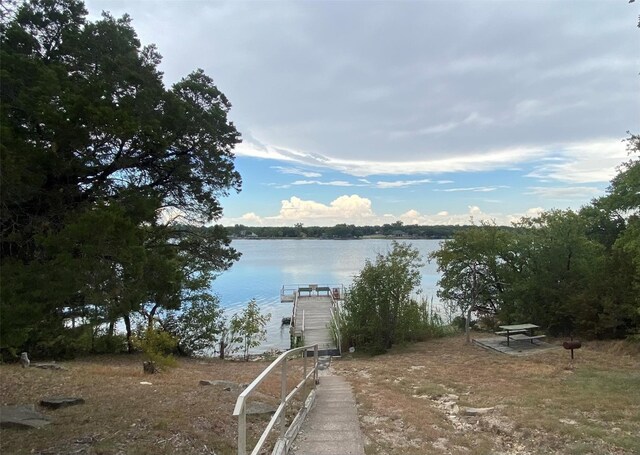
point(283, 398)
point(304, 373)
point(315, 365)
point(242, 432)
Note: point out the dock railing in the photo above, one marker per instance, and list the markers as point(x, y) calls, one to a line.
point(286, 436)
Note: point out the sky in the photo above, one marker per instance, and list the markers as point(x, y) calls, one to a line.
point(425, 112)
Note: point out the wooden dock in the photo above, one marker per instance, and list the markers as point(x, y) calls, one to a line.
point(312, 313)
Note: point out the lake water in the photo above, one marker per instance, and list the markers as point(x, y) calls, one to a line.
point(267, 265)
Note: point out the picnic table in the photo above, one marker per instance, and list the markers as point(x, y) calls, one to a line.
point(520, 332)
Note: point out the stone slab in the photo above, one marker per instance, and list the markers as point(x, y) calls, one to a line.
point(23, 417)
point(515, 348)
point(60, 402)
point(330, 448)
point(332, 427)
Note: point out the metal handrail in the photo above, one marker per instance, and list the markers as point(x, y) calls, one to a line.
point(240, 408)
point(335, 314)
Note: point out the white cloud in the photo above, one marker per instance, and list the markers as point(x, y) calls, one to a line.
point(474, 189)
point(317, 182)
point(296, 171)
point(345, 209)
point(587, 162)
point(566, 192)
point(358, 210)
point(401, 183)
point(477, 161)
point(251, 218)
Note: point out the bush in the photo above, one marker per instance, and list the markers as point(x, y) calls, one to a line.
point(157, 346)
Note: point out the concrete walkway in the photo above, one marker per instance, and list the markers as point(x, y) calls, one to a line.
point(332, 426)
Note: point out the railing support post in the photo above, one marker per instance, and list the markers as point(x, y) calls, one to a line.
point(283, 399)
point(304, 373)
point(315, 365)
point(242, 432)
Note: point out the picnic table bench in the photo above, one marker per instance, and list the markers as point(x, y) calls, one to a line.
point(519, 332)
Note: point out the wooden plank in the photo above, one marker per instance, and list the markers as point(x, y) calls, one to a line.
point(520, 337)
point(317, 318)
point(504, 332)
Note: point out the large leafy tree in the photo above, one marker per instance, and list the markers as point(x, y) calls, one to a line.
point(473, 265)
point(379, 309)
point(99, 163)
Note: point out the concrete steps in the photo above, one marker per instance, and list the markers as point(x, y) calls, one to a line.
point(332, 426)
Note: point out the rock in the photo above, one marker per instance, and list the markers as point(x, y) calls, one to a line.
point(258, 407)
point(48, 366)
point(60, 402)
point(22, 417)
point(227, 386)
point(149, 367)
point(477, 411)
point(569, 421)
point(24, 360)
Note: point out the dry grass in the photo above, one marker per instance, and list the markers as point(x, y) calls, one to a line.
point(173, 415)
point(411, 400)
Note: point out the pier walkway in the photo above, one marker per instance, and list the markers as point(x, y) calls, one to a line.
point(312, 313)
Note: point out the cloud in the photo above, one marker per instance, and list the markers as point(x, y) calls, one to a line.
point(478, 161)
point(296, 171)
point(565, 192)
point(354, 209)
point(588, 162)
point(474, 214)
point(475, 189)
point(317, 182)
point(472, 119)
point(401, 183)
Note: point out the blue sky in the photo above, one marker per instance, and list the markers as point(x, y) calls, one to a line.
point(428, 112)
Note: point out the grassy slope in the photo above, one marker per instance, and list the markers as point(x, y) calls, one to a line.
point(173, 415)
point(403, 397)
point(544, 404)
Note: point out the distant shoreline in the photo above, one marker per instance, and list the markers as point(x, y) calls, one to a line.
point(368, 237)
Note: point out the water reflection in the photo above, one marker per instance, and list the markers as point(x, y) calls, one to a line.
point(267, 265)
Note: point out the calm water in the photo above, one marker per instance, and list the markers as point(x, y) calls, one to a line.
point(267, 265)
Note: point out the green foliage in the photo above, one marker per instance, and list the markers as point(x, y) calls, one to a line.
point(99, 165)
point(157, 346)
point(472, 265)
point(568, 272)
point(249, 328)
point(380, 308)
point(197, 327)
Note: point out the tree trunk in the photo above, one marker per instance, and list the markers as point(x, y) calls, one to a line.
point(127, 325)
point(474, 297)
point(467, 325)
point(222, 346)
point(152, 313)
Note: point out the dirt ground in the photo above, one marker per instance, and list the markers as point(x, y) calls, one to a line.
point(174, 414)
point(413, 400)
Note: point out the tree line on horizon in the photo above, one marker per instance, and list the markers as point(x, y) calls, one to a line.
point(345, 231)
